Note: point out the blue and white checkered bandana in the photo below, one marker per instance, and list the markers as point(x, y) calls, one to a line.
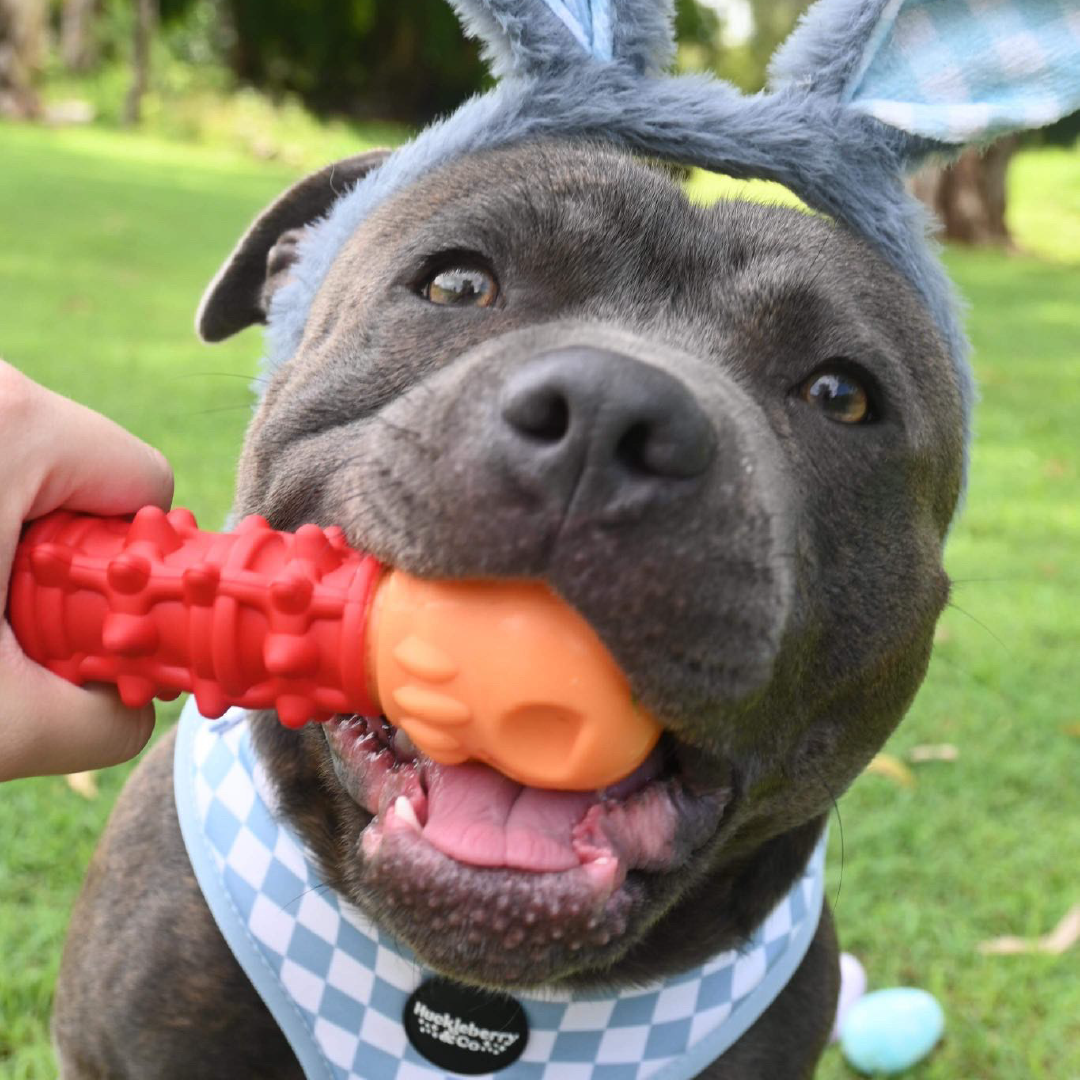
point(338, 985)
point(960, 70)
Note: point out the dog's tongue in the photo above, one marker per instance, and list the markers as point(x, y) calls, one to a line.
point(478, 816)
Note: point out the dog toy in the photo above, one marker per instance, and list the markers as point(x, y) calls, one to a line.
point(852, 989)
point(888, 1031)
point(501, 672)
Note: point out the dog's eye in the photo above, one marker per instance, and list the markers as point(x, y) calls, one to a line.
point(461, 286)
point(838, 395)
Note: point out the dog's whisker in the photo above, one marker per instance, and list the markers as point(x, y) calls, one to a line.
point(333, 180)
point(988, 580)
point(967, 677)
point(218, 409)
point(818, 259)
point(840, 823)
point(418, 440)
point(319, 887)
point(219, 375)
point(979, 622)
point(398, 428)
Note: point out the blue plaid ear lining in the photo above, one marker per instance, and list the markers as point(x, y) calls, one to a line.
point(965, 70)
point(590, 23)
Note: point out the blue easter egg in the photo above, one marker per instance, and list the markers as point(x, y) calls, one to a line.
point(888, 1031)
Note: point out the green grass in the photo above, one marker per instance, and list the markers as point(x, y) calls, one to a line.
point(1044, 203)
point(106, 242)
point(706, 187)
point(1043, 206)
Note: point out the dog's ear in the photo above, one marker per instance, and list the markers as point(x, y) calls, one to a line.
point(532, 37)
point(240, 293)
point(941, 74)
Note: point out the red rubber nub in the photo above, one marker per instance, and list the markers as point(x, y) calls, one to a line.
point(256, 618)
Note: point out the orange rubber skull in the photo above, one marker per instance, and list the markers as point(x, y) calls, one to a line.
point(508, 674)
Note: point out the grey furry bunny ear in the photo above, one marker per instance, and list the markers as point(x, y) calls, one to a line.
point(529, 37)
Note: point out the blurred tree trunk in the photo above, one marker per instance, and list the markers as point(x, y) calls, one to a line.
point(78, 45)
point(146, 18)
point(22, 40)
point(969, 196)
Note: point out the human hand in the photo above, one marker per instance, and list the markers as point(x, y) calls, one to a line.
point(56, 454)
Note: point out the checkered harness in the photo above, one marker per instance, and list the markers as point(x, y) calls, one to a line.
point(337, 984)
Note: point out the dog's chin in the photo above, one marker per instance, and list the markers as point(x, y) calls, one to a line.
point(500, 884)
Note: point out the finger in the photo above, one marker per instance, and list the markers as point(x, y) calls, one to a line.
point(49, 726)
point(82, 460)
point(55, 453)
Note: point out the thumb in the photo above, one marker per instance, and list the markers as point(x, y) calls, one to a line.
point(49, 726)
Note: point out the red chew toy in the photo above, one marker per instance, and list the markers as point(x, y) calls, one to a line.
point(502, 672)
point(256, 618)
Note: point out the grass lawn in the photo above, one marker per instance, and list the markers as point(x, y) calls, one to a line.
point(106, 242)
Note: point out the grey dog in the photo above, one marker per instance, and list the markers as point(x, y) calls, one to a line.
point(729, 436)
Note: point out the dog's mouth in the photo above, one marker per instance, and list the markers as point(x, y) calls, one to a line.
point(500, 882)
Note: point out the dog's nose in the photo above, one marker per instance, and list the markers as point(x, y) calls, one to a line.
point(586, 418)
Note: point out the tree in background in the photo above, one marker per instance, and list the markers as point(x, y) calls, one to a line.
point(699, 31)
point(22, 45)
point(78, 42)
point(968, 196)
point(744, 59)
point(405, 60)
point(146, 20)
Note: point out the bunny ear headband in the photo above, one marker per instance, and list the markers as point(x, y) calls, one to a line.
point(862, 92)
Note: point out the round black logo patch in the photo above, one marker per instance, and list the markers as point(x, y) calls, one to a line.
point(464, 1030)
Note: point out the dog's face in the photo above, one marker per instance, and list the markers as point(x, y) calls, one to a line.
point(729, 437)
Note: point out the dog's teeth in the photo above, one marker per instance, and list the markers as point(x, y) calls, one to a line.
point(404, 810)
point(404, 747)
